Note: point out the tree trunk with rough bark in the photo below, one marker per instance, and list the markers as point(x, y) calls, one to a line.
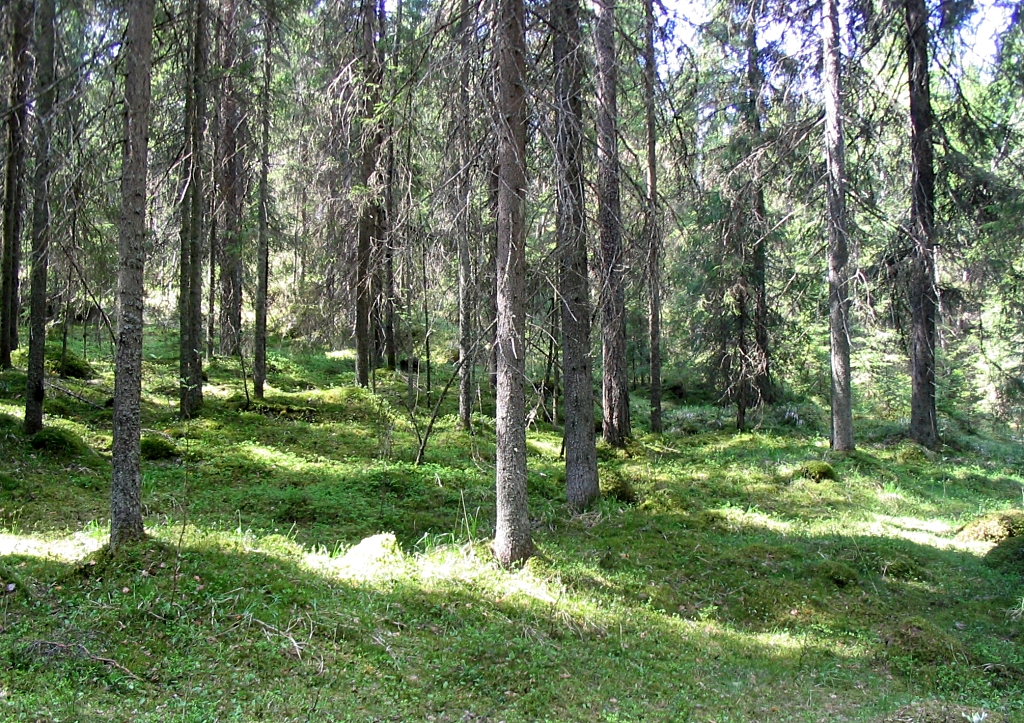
point(368, 226)
point(652, 227)
point(190, 295)
point(14, 189)
point(838, 241)
point(581, 481)
point(231, 187)
point(758, 224)
point(467, 302)
point(615, 388)
point(512, 542)
point(41, 228)
point(259, 364)
point(923, 424)
point(126, 484)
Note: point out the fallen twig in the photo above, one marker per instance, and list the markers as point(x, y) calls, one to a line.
point(70, 393)
point(99, 659)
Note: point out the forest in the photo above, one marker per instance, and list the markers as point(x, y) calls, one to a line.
point(512, 361)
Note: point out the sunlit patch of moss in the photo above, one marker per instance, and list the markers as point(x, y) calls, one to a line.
point(994, 527)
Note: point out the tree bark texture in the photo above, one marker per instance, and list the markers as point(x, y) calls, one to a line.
point(581, 481)
point(41, 228)
point(14, 189)
point(368, 227)
point(758, 226)
point(467, 302)
point(652, 227)
point(259, 365)
point(231, 187)
point(190, 299)
point(126, 485)
point(512, 542)
point(923, 424)
point(615, 388)
point(838, 246)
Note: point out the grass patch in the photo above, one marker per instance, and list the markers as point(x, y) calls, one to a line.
point(300, 567)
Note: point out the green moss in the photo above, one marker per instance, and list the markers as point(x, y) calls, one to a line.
point(8, 483)
point(1007, 556)
point(154, 447)
point(707, 520)
point(616, 487)
point(838, 573)
point(922, 641)
point(60, 443)
point(994, 527)
point(68, 364)
point(816, 471)
point(910, 453)
point(12, 383)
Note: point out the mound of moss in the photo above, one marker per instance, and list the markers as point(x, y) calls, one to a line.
point(816, 471)
point(921, 640)
point(994, 527)
point(8, 483)
point(68, 364)
point(1007, 556)
point(154, 447)
point(9, 423)
point(60, 443)
point(616, 487)
point(838, 573)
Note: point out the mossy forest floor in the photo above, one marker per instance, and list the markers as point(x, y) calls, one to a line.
point(301, 568)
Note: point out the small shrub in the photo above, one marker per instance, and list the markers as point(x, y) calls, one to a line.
point(995, 527)
point(8, 483)
point(616, 487)
point(59, 442)
point(155, 447)
point(838, 573)
point(816, 471)
point(8, 423)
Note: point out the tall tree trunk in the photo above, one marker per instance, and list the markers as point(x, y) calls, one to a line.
point(581, 482)
point(388, 222)
point(41, 229)
point(512, 541)
point(368, 223)
point(923, 424)
point(259, 365)
point(466, 296)
point(190, 299)
point(231, 187)
point(652, 226)
point(14, 190)
point(390, 342)
point(615, 388)
point(758, 284)
point(126, 485)
point(838, 251)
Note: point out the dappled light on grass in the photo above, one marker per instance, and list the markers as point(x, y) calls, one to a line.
point(71, 548)
point(320, 573)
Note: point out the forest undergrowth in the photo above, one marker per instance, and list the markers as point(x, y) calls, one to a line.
point(300, 567)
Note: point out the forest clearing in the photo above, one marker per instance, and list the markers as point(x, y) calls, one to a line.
point(723, 576)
